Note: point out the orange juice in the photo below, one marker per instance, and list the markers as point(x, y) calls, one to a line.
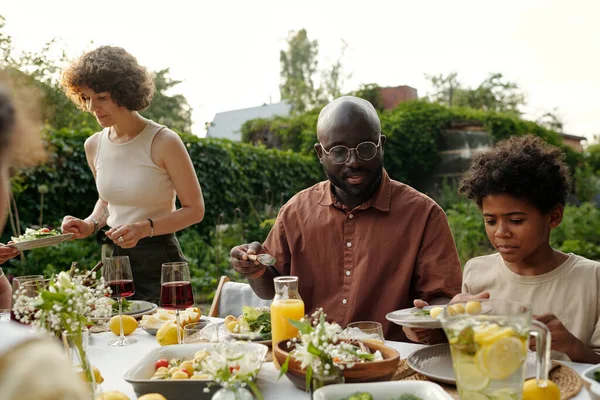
point(281, 311)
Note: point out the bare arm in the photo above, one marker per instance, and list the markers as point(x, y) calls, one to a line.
point(5, 292)
point(84, 228)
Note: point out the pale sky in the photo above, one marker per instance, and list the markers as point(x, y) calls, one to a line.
point(227, 52)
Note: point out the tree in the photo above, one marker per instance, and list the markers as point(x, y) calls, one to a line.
point(298, 67)
point(551, 120)
point(333, 79)
point(172, 111)
point(493, 94)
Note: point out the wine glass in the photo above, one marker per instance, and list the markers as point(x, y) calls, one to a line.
point(176, 289)
point(117, 274)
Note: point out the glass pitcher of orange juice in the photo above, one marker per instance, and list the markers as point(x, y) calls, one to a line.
point(287, 304)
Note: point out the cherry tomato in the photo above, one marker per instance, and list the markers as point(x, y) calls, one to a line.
point(162, 363)
point(44, 230)
point(236, 368)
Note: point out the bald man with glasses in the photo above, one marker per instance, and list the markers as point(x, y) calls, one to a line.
point(362, 244)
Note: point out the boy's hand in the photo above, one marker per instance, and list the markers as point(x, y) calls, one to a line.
point(562, 340)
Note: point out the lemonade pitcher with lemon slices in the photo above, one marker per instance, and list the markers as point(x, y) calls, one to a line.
point(489, 349)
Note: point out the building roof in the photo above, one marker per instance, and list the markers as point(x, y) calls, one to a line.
point(227, 124)
point(574, 137)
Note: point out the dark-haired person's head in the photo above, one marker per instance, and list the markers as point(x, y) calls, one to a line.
point(108, 82)
point(521, 186)
point(350, 147)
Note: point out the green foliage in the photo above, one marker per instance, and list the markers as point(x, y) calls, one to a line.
point(587, 183)
point(493, 94)
point(298, 67)
point(413, 129)
point(466, 224)
point(580, 225)
point(372, 93)
point(172, 111)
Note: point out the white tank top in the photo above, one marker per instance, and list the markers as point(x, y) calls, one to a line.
point(127, 178)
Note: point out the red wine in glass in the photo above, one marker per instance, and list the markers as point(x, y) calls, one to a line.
point(122, 288)
point(176, 295)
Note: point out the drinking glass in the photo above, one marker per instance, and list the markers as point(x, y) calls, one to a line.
point(192, 332)
point(176, 290)
point(117, 274)
point(367, 331)
point(4, 315)
point(26, 285)
point(489, 349)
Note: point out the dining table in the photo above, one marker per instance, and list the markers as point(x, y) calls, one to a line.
point(113, 362)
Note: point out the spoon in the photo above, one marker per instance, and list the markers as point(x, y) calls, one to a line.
point(265, 259)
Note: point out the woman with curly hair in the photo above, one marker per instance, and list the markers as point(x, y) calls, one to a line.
point(521, 186)
point(140, 167)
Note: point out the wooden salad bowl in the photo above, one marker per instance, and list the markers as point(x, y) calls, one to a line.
point(372, 371)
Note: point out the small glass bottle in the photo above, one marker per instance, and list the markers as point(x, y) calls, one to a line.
point(287, 304)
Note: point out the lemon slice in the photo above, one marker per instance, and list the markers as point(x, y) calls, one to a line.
point(503, 394)
point(502, 358)
point(466, 395)
point(492, 335)
point(469, 377)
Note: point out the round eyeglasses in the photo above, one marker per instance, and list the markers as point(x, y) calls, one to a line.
point(340, 154)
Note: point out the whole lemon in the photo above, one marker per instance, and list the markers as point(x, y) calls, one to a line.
point(97, 375)
point(129, 325)
point(167, 334)
point(152, 396)
point(531, 391)
point(114, 395)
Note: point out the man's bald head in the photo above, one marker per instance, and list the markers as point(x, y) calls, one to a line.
point(347, 112)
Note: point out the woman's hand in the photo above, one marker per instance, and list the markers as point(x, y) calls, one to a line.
point(127, 236)
point(79, 227)
point(7, 252)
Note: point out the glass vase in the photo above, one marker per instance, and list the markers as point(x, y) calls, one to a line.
point(320, 379)
point(233, 393)
point(76, 346)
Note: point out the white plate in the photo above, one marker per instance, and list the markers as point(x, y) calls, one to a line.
point(139, 375)
point(240, 336)
point(43, 242)
point(139, 308)
point(216, 332)
point(383, 390)
point(435, 362)
point(407, 317)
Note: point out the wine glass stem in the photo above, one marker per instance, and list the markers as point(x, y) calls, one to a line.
point(121, 319)
point(178, 326)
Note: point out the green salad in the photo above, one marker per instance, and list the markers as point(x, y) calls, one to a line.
point(33, 234)
point(368, 396)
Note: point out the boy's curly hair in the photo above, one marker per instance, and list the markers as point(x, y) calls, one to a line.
point(109, 69)
point(523, 166)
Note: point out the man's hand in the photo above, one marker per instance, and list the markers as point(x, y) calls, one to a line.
point(243, 260)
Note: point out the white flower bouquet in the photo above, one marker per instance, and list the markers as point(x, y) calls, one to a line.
point(323, 350)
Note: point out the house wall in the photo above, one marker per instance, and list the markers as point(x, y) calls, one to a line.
point(392, 96)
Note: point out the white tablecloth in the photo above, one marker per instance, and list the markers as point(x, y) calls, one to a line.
point(113, 362)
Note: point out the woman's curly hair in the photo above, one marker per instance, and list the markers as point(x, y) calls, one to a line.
point(525, 167)
point(109, 69)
